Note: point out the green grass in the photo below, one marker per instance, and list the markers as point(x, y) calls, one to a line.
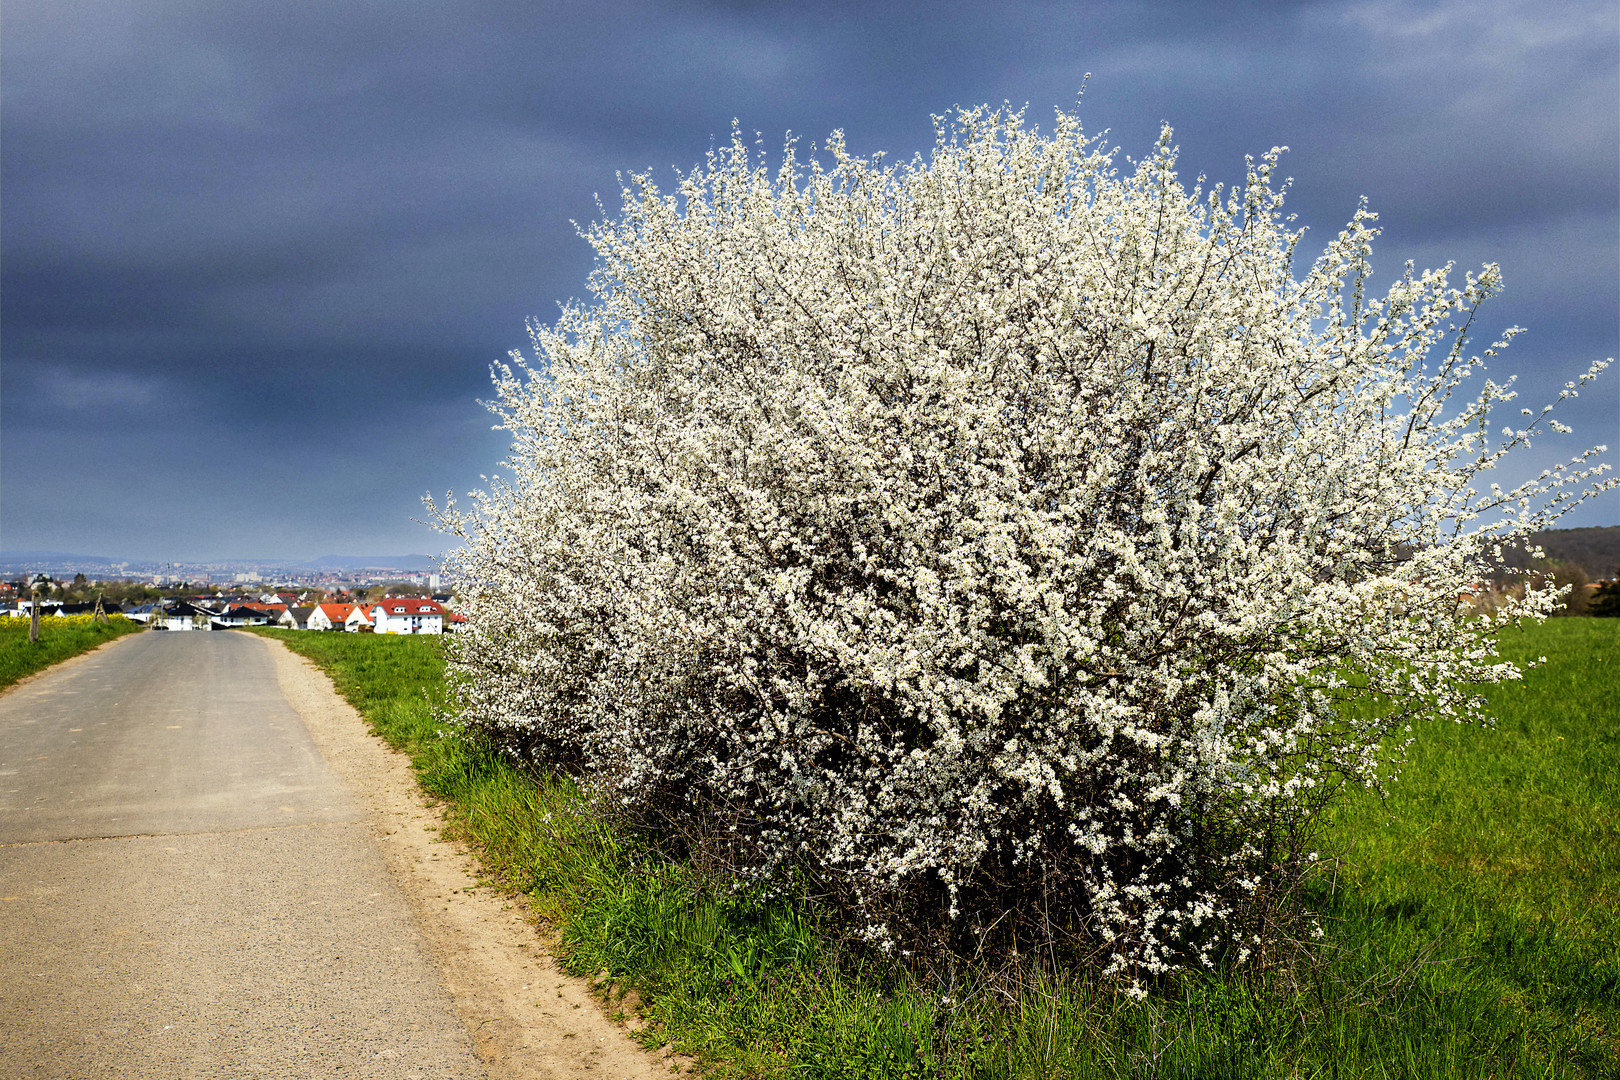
point(1472, 928)
point(1497, 856)
point(59, 639)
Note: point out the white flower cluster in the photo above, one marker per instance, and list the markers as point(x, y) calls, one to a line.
point(1001, 528)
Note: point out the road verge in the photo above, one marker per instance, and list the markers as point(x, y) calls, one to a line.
point(527, 1018)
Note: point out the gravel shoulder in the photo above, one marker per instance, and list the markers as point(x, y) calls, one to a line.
point(527, 1018)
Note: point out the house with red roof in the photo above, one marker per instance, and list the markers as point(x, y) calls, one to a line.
point(406, 615)
point(330, 616)
point(348, 617)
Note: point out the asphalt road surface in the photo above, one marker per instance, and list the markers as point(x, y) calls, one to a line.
point(186, 890)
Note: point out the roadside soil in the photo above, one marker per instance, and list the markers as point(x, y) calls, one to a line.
point(528, 1020)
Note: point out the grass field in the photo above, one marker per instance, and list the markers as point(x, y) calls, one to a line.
point(59, 638)
point(1498, 857)
point(1472, 926)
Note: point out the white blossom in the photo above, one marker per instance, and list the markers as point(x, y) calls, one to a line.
point(996, 522)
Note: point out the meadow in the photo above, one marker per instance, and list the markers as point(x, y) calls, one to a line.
point(1471, 920)
point(60, 637)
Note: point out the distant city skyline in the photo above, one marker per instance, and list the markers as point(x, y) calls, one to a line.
point(258, 261)
point(14, 562)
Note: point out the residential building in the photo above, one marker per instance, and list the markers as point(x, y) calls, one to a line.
point(407, 615)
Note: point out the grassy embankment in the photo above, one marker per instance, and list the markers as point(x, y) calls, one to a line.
point(1474, 930)
point(60, 637)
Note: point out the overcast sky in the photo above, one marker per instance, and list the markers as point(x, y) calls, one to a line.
point(258, 258)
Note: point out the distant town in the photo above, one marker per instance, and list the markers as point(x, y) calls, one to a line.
point(387, 594)
point(328, 573)
point(393, 608)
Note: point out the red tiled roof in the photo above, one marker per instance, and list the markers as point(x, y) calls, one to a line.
point(407, 606)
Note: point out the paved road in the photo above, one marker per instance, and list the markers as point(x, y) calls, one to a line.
point(187, 891)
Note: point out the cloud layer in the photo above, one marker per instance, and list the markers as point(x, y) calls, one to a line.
point(258, 259)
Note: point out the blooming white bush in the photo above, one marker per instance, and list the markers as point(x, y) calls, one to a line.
point(998, 539)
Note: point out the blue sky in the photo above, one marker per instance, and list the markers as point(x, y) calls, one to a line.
point(258, 259)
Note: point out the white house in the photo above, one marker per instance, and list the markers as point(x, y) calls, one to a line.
point(295, 618)
point(180, 615)
point(350, 617)
point(325, 616)
point(401, 615)
point(242, 616)
point(141, 613)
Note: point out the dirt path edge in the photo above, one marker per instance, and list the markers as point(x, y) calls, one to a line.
point(528, 1020)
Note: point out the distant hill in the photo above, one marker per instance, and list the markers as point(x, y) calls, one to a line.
point(1596, 550)
point(419, 563)
point(53, 562)
point(55, 557)
point(57, 562)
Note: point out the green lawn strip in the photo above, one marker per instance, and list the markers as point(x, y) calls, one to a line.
point(1472, 933)
point(59, 639)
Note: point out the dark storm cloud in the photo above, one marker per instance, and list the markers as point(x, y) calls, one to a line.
point(299, 234)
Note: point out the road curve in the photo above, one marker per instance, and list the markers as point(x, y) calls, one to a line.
point(187, 891)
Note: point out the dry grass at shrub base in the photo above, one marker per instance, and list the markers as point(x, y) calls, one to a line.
point(1471, 927)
